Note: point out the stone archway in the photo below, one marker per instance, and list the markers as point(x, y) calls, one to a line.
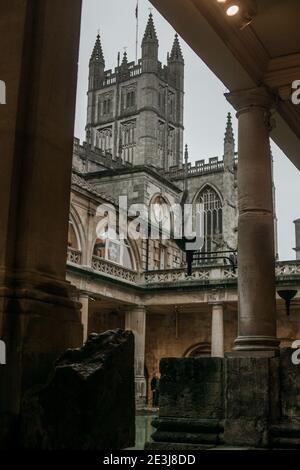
point(199, 350)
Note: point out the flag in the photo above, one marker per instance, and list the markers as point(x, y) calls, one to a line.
point(137, 10)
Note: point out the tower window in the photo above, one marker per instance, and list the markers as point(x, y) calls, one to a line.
point(130, 99)
point(104, 106)
point(171, 147)
point(162, 99)
point(127, 141)
point(171, 105)
point(104, 139)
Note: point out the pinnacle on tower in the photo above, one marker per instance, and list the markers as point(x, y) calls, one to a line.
point(150, 48)
point(150, 32)
point(176, 53)
point(97, 54)
point(124, 67)
point(125, 60)
point(229, 136)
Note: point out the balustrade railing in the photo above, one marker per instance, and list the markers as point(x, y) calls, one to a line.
point(103, 266)
point(74, 256)
point(204, 274)
point(200, 273)
point(288, 268)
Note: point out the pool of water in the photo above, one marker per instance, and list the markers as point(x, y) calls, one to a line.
point(144, 430)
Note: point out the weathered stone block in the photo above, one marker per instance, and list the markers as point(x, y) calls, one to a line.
point(247, 387)
point(88, 402)
point(191, 404)
point(285, 432)
point(257, 396)
point(251, 397)
point(289, 385)
point(192, 388)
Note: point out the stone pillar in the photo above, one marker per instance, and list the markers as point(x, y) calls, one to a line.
point(297, 238)
point(84, 300)
point(136, 322)
point(38, 318)
point(217, 330)
point(256, 257)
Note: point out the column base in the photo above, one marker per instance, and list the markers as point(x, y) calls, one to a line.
point(37, 325)
point(256, 343)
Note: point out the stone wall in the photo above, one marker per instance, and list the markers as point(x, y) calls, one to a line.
point(100, 322)
point(165, 339)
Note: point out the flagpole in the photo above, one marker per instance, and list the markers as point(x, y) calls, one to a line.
point(137, 31)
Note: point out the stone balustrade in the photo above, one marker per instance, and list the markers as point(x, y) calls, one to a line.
point(74, 256)
point(114, 270)
point(286, 270)
point(198, 168)
point(203, 273)
point(111, 76)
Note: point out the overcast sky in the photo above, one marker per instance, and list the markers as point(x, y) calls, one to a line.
point(205, 106)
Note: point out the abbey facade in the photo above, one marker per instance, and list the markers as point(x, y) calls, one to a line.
point(134, 148)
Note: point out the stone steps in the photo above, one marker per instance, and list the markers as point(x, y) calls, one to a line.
point(285, 435)
point(186, 433)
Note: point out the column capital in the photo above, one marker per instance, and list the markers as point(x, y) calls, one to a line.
point(215, 297)
point(134, 308)
point(84, 294)
point(243, 100)
point(216, 303)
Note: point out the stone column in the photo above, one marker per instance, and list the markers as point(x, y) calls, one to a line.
point(256, 256)
point(217, 330)
point(297, 238)
point(38, 318)
point(136, 322)
point(84, 300)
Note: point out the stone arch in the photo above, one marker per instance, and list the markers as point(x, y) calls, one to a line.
point(211, 186)
point(131, 245)
point(199, 350)
point(78, 228)
point(213, 231)
point(159, 198)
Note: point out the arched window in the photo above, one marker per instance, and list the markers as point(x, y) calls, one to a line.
point(213, 219)
point(104, 139)
point(161, 230)
point(127, 142)
point(114, 249)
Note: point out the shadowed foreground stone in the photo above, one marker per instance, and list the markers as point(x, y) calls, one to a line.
point(191, 404)
point(88, 402)
point(285, 432)
point(237, 401)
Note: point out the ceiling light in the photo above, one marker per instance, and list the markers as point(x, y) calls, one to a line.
point(232, 10)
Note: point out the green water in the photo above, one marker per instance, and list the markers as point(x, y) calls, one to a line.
point(144, 430)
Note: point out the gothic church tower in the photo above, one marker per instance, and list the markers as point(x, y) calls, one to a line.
point(135, 112)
